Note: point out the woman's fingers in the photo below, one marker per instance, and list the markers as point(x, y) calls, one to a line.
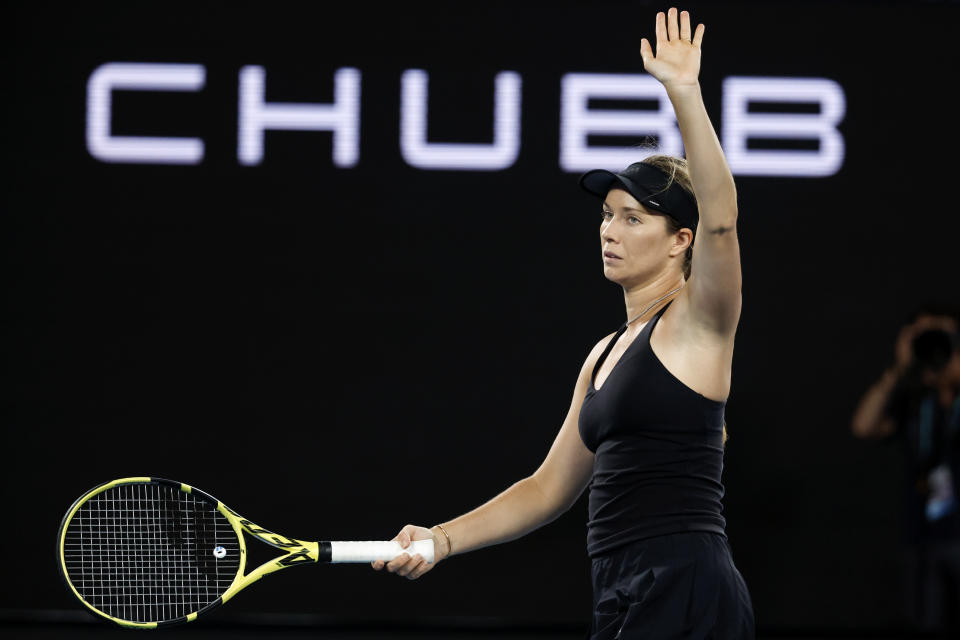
point(399, 563)
point(394, 565)
point(646, 52)
point(698, 35)
point(419, 571)
point(673, 26)
point(405, 564)
point(661, 29)
point(412, 567)
point(685, 31)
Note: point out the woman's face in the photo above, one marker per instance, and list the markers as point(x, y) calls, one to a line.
point(635, 244)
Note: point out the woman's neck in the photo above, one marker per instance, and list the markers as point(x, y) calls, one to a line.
point(639, 298)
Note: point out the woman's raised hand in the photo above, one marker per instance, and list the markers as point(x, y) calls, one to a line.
point(412, 567)
point(677, 59)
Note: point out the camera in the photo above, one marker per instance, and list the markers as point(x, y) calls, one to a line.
point(932, 349)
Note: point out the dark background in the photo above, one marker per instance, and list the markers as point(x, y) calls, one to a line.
point(337, 352)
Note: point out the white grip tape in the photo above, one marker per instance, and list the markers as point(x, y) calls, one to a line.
point(370, 550)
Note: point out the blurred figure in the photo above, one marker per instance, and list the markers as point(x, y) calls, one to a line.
point(916, 404)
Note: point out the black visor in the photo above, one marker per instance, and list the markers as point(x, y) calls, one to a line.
point(649, 185)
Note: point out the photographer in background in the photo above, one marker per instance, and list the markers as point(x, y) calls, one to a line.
point(916, 403)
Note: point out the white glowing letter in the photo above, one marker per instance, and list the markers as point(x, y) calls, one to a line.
point(739, 125)
point(443, 155)
point(137, 76)
point(256, 116)
point(578, 121)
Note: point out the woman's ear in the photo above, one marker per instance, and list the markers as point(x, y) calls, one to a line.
point(681, 241)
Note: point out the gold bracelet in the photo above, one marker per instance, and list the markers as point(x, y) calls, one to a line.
point(449, 544)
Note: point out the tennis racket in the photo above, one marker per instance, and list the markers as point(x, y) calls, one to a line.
point(149, 552)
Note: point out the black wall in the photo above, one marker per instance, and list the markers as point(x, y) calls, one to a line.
point(335, 352)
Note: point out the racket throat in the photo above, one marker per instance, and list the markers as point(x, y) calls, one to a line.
point(310, 552)
point(324, 552)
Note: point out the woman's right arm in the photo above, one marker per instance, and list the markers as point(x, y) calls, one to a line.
point(526, 505)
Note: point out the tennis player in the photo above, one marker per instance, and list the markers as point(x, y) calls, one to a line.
point(646, 425)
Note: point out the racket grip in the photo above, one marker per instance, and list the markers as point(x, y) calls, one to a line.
point(370, 550)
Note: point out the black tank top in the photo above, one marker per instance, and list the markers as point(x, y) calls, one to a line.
point(658, 448)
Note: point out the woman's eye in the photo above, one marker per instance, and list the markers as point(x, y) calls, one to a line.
point(606, 214)
point(634, 220)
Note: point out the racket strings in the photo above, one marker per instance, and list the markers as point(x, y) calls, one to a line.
point(148, 552)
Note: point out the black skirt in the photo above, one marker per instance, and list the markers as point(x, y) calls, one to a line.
point(682, 585)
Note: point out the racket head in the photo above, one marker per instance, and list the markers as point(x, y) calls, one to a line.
point(146, 552)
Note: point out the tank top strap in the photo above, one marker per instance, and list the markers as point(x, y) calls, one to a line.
point(644, 335)
point(606, 352)
point(648, 328)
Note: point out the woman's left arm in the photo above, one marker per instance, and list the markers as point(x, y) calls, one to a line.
point(715, 282)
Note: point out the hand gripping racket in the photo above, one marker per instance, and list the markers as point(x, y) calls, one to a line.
point(149, 552)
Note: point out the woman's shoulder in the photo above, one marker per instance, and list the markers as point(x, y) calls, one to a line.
point(598, 349)
point(590, 362)
point(603, 342)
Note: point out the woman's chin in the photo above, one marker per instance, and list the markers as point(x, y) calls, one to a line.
point(613, 274)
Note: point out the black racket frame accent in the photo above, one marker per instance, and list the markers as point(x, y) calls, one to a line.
point(145, 480)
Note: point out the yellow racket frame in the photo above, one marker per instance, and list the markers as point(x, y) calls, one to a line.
point(296, 551)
